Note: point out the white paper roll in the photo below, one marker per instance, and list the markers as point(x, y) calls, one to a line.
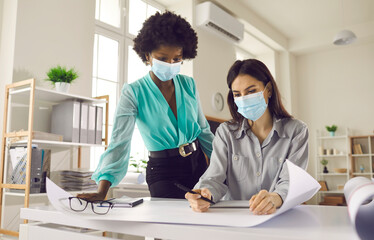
point(359, 194)
point(135, 178)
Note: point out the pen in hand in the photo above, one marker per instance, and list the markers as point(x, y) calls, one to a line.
point(193, 192)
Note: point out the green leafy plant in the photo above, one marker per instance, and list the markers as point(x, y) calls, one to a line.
point(139, 164)
point(60, 74)
point(332, 128)
point(324, 162)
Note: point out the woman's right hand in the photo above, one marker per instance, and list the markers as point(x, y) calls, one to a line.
point(197, 204)
point(100, 195)
point(91, 197)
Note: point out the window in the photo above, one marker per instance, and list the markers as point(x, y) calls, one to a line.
point(114, 60)
point(139, 12)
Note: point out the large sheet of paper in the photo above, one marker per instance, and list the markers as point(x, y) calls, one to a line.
point(359, 194)
point(302, 188)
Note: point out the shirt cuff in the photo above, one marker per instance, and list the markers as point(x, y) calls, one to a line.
point(282, 194)
point(108, 178)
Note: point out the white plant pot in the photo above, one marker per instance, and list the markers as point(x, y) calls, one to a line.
point(62, 87)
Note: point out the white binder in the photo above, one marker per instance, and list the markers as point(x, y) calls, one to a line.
point(83, 123)
point(65, 120)
point(91, 136)
point(99, 125)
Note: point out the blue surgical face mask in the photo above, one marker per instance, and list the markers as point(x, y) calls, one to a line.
point(165, 71)
point(251, 106)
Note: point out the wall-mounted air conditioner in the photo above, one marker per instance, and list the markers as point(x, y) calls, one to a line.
point(216, 20)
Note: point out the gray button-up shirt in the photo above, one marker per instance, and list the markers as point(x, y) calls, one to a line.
point(240, 166)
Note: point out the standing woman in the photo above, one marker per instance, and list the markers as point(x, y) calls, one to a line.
point(166, 107)
point(249, 152)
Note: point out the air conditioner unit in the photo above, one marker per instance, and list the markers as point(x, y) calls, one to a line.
point(216, 20)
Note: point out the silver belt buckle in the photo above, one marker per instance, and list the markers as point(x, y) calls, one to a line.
point(182, 152)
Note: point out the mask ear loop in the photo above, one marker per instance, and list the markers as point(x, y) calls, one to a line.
point(266, 87)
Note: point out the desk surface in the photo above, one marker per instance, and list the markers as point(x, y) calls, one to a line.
point(301, 222)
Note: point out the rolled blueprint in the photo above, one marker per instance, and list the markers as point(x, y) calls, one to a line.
point(135, 178)
point(359, 194)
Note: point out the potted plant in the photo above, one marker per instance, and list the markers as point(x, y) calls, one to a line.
point(324, 162)
point(138, 164)
point(61, 78)
point(332, 129)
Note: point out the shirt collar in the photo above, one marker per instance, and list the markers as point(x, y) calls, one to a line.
point(277, 127)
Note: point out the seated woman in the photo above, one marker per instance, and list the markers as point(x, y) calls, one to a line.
point(249, 151)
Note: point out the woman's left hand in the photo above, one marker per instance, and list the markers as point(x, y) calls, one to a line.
point(264, 202)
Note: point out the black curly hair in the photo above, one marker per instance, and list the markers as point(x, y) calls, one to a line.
point(166, 29)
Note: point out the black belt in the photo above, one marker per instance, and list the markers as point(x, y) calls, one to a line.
point(184, 150)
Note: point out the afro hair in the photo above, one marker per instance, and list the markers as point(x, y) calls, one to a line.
point(166, 29)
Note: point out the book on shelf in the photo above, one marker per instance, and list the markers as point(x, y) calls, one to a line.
point(357, 149)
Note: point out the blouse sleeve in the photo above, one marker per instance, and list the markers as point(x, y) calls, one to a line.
point(215, 176)
point(114, 161)
point(298, 154)
point(206, 136)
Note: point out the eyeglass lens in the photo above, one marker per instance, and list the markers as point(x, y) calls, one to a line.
point(77, 204)
point(98, 207)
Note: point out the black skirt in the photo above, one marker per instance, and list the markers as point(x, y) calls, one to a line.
point(163, 173)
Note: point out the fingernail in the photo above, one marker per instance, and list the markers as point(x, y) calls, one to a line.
point(198, 196)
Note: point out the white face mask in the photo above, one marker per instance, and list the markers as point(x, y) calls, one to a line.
point(165, 71)
point(252, 106)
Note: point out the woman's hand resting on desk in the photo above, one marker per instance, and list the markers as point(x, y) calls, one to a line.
point(197, 204)
point(91, 197)
point(100, 195)
point(264, 202)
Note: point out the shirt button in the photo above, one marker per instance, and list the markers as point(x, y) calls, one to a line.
point(280, 160)
point(235, 157)
point(258, 154)
point(258, 174)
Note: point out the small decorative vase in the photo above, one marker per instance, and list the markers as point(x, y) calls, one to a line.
point(62, 87)
point(325, 170)
point(332, 134)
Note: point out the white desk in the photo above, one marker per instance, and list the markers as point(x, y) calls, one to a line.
point(302, 222)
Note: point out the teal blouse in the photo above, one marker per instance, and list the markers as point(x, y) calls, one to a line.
point(142, 102)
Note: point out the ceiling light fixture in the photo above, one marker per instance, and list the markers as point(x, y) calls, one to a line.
point(344, 37)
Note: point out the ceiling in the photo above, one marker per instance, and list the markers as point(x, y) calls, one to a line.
point(304, 25)
point(298, 18)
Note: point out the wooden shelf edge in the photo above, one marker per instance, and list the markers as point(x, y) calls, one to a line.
point(9, 232)
point(13, 186)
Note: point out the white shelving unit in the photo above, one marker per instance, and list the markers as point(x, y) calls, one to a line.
point(29, 95)
point(334, 149)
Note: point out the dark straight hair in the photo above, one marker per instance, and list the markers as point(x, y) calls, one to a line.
point(259, 71)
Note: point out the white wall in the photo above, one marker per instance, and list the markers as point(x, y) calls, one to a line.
point(214, 58)
point(8, 25)
point(336, 87)
point(1, 16)
point(55, 32)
